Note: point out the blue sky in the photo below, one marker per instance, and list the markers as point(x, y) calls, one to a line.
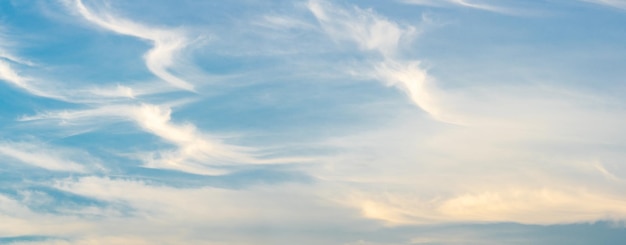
point(312, 122)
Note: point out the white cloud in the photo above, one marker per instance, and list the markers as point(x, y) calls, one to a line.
point(92, 94)
point(166, 42)
point(195, 151)
point(8, 74)
point(418, 86)
point(480, 5)
point(375, 33)
point(49, 157)
point(621, 4)
point(529, 206)
point(363, 27)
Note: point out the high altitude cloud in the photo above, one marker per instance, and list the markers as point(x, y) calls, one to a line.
point(166, 43)
point(613, 3)
point(40, 155)
point(377, 34)
point(193, 151)
point(300, 141)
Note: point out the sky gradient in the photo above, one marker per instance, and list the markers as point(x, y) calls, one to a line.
point(312, 122)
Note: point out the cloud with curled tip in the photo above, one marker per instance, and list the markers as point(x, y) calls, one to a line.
point(195, 151)
point(373, 33)
point(166, 42)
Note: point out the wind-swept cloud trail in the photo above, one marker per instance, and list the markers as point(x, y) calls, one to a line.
point(196, 152)
point(479, 5)
point(93, 95)
point(8, 74)
point(166, 43)
point(368, 30)
point(47, 157)
point(373, 33)
point(55, 90)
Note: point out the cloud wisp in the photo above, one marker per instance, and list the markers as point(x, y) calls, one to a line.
point(373, 33)
point(620, 4)
point(10, 75)
point(502, 124)
point(195, 151)
point(166, 42)
point(479, 5)
point(50, 158)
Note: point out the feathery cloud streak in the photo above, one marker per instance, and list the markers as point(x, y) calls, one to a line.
point(480, 5)
point(43, 156)
point(377, 34)
point(166, 43)
point(500, 127)
point(612, 3)
point(195, 151)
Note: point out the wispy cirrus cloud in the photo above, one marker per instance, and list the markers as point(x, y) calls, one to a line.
point(620, 4)
point(373, 33)
point(480, 5)
point(10, 75)
point(195, 151)
point(152, 119)
point(166, 42)
point(52, 90)
point(368, 30)
point(49, 157)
